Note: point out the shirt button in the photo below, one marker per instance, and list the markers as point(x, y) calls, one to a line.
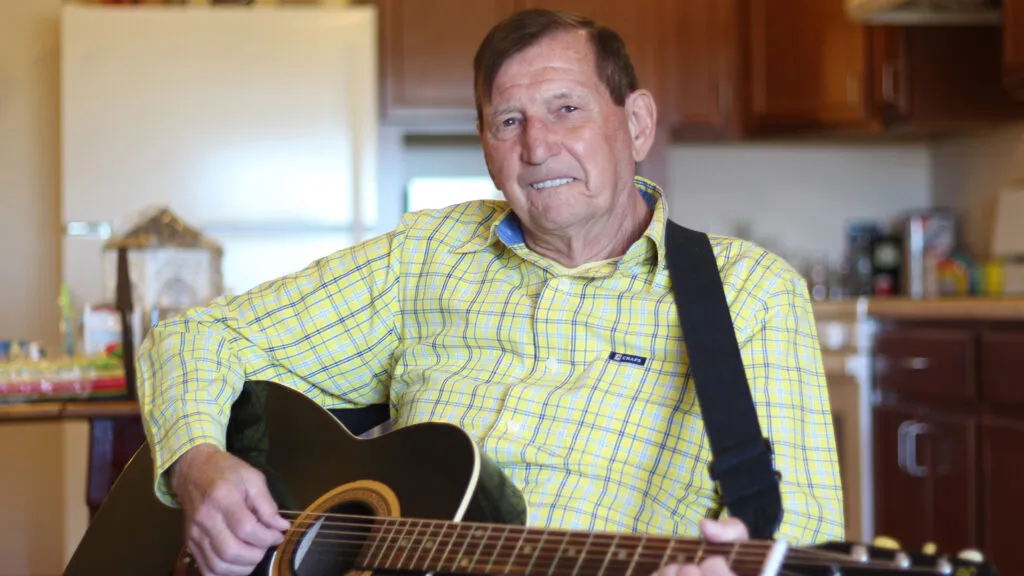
point(551, 364)
point(514, 426)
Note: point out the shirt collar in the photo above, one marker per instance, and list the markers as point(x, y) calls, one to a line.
point(507, 229)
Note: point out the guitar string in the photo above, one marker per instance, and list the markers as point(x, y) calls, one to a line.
point(656, 560)
point(795, 556)
point(532, 539)
point(417, 540)
point(509, 562)
point(507, 565)
point(386, 523)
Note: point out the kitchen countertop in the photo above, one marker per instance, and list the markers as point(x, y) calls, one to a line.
point(952, 308)
point(28, 411)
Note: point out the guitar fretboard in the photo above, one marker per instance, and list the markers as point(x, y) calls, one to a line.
point(484, 549)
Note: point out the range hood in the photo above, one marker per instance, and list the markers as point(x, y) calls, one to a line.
point(925, 12)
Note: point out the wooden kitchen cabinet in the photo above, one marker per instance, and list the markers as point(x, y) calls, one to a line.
point(939, 78)
point(1013, 46)
point(426, 58)
point(925, 465)
point(948, 427)
point(807, 65)
point(777, 67)
point(700, 48)
point(725, 68)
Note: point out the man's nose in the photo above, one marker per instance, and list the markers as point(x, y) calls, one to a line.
point(539, 142)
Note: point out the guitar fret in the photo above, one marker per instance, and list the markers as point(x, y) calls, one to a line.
point(732, 554)
point(458, 560)
point(383, 548)
point(394, 549)
point(636, 554)
point(480, 546)
point(451, 540)
point(433, 548)
point(700, 552)
point(515, 552)
point(540, 545)
point(376, 530)
point(427, 541)
point(407, 544)
point(490, 565)
point(608, 556)
point(583, 554)
point(558, 555)
point(668, 552)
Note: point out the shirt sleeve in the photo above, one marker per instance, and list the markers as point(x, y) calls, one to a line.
point(328, 331)
point(786, 374)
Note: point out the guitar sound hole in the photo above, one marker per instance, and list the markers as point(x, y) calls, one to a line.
point(331, 544)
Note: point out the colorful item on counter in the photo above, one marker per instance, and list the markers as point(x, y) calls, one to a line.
point(64, 378)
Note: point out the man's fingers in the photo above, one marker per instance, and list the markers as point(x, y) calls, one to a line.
point(715, 566)
point(727, 530)
point(204, 554)
point(247, 528)
point(262, 504)
point(231, 551)
point(678, 570)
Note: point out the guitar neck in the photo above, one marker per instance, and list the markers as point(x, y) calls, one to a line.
point(485, 549)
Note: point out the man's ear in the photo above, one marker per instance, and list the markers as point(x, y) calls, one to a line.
point(642, 116)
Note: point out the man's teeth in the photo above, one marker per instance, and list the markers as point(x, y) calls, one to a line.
point(550, 183)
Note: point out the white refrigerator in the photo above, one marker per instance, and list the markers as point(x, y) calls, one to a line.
point(255, 124)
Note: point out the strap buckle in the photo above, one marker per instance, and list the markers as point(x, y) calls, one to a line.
point(749, 484)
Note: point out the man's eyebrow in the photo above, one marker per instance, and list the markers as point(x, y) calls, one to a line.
point(501, 111)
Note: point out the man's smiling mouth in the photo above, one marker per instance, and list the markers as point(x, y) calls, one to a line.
point(551, 183)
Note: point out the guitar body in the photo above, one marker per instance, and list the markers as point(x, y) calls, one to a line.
point(429, 471)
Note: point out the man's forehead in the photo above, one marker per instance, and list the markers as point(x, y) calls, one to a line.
point(559, 66)
point(568, 48)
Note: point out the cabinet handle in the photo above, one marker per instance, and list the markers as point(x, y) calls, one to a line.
point(889, 70)
point(724, 99)
point(852, 89)
point(906, 448)
point(915, 363)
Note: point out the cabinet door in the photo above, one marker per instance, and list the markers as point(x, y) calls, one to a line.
point(702, 60)
point(944, 78)
point(426, 51)
point(635, 22)
point(1002, 467)
point(806, 65)
point(925, 478)
point(1013, 46)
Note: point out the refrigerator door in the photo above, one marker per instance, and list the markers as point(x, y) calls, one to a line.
point(257, 125)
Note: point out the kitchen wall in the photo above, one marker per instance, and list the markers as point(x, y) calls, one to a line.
point(32, 491)
point(968, 173)
point(793, 198)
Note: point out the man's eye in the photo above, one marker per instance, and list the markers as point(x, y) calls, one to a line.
point(569, 108)
point(508, 122)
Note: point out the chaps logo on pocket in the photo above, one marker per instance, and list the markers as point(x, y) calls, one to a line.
point(627, 358)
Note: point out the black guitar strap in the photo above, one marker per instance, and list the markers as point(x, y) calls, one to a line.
point(741, 456)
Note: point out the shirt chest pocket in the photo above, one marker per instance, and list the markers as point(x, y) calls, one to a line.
point(614, 413)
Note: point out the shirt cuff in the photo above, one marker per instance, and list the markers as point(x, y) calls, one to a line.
point(187, 432)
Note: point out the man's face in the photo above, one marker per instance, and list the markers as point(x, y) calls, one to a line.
point(556, 145)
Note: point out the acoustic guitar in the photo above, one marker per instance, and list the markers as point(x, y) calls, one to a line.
point(421, 499)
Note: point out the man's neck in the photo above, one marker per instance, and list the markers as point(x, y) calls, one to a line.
point(601, 240)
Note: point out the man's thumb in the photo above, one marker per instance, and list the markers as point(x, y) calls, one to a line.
point(727, 530)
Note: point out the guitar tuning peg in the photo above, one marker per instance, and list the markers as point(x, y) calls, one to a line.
point(885, 542)
point(930, 548)
point(971, 555)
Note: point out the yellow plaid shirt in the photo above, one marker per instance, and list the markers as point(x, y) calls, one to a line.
point(451, 317)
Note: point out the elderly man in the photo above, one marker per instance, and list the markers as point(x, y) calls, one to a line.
point(489, 312)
